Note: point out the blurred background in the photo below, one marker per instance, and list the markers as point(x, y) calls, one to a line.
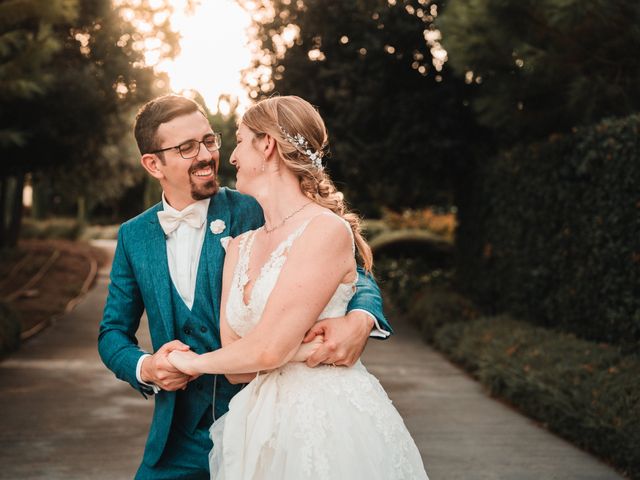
point(492, 146)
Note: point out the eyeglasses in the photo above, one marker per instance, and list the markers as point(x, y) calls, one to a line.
point(191, 148)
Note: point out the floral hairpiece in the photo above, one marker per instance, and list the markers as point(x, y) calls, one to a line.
point(302, 145)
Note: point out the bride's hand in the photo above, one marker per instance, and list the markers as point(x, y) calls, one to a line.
point(307, 349)
point(184, 361)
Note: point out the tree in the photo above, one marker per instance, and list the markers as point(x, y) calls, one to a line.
point(28, 45)
point(545, 66)
point(80, 124)
point(397, 119)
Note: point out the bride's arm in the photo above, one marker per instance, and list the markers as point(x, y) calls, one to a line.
point(318, 261)
point(228, 336)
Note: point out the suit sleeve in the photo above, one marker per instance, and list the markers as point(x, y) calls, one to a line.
point(369, 299)
point(117, 342)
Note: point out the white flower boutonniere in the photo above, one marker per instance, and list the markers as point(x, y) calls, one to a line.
point(217, 226)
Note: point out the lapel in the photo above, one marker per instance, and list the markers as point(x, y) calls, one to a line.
point(159, 269)
point(212, 248)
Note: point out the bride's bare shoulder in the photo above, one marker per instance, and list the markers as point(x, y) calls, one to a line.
point(326, 232)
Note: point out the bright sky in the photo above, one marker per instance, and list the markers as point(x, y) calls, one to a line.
point(213, 50)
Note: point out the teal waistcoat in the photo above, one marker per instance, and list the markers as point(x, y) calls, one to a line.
point(197, 328)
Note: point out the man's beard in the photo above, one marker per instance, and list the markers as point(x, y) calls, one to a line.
point(205, 190)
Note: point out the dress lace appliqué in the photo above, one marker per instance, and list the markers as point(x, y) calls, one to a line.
point(298, 422)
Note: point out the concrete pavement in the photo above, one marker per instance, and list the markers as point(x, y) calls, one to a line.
point(64, 416)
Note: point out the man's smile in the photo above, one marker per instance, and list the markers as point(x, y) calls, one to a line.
point(203, 170)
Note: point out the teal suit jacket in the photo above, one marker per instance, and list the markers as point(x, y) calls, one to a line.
point(140, 280)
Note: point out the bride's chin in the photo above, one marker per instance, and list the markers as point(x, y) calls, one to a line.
point(245, 188)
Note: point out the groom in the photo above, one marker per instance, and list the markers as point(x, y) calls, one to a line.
point(168, 261)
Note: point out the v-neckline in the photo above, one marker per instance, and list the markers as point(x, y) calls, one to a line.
point(247, 300)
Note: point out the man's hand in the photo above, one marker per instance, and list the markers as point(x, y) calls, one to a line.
point(344, 339)
point(158, 370)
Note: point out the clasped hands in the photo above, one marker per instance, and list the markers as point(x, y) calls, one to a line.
point(337, 341)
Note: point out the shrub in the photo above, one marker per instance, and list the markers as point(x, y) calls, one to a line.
point(553, 233)
point(585, 391)
point(438, 221)
point(403, 278)
point(439, 306)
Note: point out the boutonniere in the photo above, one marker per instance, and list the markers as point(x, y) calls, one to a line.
point(217, 226)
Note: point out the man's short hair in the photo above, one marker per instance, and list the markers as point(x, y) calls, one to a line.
point(156, 112)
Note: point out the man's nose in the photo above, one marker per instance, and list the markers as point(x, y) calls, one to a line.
point(203, 153)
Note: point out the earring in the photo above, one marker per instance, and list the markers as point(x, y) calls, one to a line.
point(263, 162)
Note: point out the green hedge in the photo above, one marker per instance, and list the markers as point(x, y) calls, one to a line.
point(9, 330)
point(438, 306)
point(586, 392)
point(552, 233)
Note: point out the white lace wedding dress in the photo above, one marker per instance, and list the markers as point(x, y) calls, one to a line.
point(297, 422)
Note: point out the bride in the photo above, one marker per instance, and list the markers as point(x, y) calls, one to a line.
point(293, 422)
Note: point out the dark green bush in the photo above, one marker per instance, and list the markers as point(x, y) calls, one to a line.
point(586, 392)
point(438, 306)
point(9, 330)
point(553, 233)
point(403, 277)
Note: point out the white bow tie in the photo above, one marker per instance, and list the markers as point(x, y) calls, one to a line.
point(170, 220)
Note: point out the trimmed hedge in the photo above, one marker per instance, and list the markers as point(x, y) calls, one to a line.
point(552, 233)
point(438, 306)
point(9, 330)
point(586, 392)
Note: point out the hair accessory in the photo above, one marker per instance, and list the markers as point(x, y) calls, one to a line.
point(302, 145)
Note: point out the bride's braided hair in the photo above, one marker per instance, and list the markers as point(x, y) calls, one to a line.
point(287, 117)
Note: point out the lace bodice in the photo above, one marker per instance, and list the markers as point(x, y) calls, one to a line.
point(301, 423)
point(243, 317)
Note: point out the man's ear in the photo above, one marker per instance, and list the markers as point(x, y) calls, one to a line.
point(151, 164)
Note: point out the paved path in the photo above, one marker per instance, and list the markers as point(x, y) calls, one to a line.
point(64, 416)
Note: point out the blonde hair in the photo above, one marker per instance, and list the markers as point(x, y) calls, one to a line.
point(298, 117)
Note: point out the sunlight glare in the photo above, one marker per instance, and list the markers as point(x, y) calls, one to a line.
point(213, 51)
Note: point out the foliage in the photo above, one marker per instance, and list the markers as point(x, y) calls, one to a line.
point(227, 125)
point(586, 392)
point(545, 66)
point(102, 62)
point(437, 306)
point(554, 236)
point(398, 124)
point(9, 330)
point(75, 126)
point(403, 273)
point(27, 46)
point(435, 220)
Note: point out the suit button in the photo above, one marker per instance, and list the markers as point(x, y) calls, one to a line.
point(203, 329)
point(187, 330)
